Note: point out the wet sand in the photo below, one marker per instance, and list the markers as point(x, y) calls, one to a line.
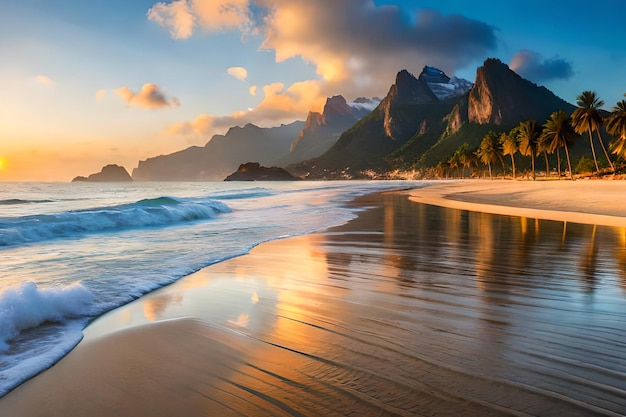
point(408, 310)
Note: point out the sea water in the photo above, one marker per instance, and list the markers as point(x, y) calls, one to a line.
point(70, 252)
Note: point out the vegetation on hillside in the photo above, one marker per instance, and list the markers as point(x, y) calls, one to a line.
point(529, 140)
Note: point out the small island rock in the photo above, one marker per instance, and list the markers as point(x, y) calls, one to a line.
point(253, 171)
point(109, 173)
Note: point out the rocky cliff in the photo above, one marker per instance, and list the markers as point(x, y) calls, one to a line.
point(221, 155)
point(410, 109)
point(109, 173)
point(502, 97)
point(321, 130)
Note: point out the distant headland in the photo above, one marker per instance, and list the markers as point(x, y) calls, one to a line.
point(109, 173)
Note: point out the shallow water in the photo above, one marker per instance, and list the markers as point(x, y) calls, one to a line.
point(415, 310)
point(70, 252)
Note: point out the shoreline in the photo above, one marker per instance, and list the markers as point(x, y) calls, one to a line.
point(586, 202)
point(248, 354)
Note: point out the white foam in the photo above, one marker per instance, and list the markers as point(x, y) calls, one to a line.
point(28, 306)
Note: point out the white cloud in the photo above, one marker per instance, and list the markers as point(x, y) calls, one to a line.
point(238, 72)
point(149, 97)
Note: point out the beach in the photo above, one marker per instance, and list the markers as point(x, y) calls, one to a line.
point(468, 298)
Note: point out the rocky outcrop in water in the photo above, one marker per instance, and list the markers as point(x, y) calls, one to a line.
point(253, 171)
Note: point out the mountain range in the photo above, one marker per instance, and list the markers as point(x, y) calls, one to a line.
point(421, 121)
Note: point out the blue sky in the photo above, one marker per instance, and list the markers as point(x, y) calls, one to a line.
point(86, 83)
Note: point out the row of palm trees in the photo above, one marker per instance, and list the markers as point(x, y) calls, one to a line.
point(558, 132)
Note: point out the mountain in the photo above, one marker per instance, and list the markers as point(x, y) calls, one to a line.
point(109, 173)
point(499, 100)
point(410, 108)
point(221, 155)
point(425, 119)
point(321, 130)
point(500, 96)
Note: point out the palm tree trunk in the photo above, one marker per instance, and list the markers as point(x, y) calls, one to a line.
point(569, 164)
point(545, 154)
point(604, 149)
point(513, 165)
point(490, 176)
point(533, 165)
point(558, 162)
point(593, 151)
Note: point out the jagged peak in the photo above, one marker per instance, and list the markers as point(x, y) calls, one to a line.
point(337, 105)
point(434, 75)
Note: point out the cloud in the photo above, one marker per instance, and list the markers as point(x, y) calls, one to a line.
point(239, 73)
point(149, 97)
point(252, 90)
point(534, 67)
point(181, 17)
point(177, 16)
point(44, 80)
point(200, 125)
point(279, 105)
point(100, 94)
point(353, 44)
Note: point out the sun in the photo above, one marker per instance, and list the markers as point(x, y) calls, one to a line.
point(2, 163)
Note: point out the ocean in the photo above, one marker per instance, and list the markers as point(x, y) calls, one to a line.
point(70, 252)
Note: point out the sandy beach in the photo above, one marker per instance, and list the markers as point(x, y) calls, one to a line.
point(409, 310)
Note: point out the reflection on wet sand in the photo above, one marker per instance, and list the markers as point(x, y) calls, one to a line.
point(414, 310)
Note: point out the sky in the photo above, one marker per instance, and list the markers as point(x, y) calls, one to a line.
point(89, 83)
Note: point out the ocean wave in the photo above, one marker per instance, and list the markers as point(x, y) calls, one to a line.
point(154, 212)
point(17, 201)
point(28, 306)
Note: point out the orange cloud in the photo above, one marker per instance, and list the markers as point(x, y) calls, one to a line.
point(279, 105)
point(100, 94)
point(149, 97)
point(181, 17)
point(200, 125)
point(221, 14)
point(252, 90)
point(177, 16)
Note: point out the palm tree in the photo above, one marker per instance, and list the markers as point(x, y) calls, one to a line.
point(454, 163)
point(587, 118)
point(489, 151)
point(510, 146)
point(529, 141)
point(467, 157)
point(558, 133)
point(616, 126)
